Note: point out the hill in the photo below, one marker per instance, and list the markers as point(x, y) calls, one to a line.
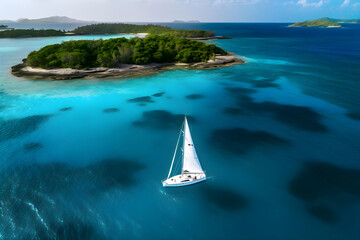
point(25, 33)
point(85, 54)
point(121, 57)
point(53, 19)
point(316, 23)
point(111, 28)
point(191, 21)
point(116, 28)
point(339, 20)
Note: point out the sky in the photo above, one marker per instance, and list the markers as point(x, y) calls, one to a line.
point(169, 10)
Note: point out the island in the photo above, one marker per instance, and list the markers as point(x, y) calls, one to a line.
point(324, 22)
point(116, 28)
point(3, 26)
point(340, 20)
point(52, 19)
point(190, 21)
point(316, 23)
point(121, 57)
point(26, 33)
point(112, 28)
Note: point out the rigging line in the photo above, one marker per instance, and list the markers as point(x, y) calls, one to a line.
point(177, 166)
point(172, 162)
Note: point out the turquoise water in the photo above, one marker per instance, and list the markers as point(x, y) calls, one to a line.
point(277, 136)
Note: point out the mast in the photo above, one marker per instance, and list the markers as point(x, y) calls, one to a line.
point(183, 153)
point(177, 144)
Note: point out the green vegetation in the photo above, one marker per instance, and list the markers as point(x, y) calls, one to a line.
point(324, 22)
point(85, 54)
point(315, 23)
point(21, 33)
point(116, 28)
point(108, 28)
point(3, 26)
point(340, 20)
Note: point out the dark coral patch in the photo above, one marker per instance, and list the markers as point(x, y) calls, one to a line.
point(158, 94)
point(56, 192)
point(241, 141)
point(112, 173)
point(303, 118)
point(160, 119)
point(110, 110)
point(146, 99)
point(323, 213)
point(32, 146)
point(65, 109)
point(300, 117)
point(75, 229)
point(318, 180)
point(194, 96)
point(354, 115)
point(225, 199)
point(233, 111)
point(17, 127)
point(240, 90)
point(246, 103)
point(265, 84)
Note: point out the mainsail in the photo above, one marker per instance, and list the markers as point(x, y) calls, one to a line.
point(191, 162)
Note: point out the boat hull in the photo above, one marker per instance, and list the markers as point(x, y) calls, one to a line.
point(184, 180)
point(184, 184)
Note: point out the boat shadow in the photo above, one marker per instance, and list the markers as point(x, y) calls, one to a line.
point(210, 196)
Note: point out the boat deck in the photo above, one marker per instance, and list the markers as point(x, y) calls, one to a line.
point(184, 179)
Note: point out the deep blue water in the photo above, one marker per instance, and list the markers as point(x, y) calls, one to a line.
point(278, 137)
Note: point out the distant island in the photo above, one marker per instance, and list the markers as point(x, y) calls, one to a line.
point(324, 22)
point(191, 21)
point(3, 26)
point(111, 28)
point(340, 20)
point(25, 33)
point(120, 57)
point(315, 23)
point(116, 28)
point(52, 19)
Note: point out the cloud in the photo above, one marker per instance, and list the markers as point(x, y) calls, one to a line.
point(305, 3)
point(345, 3)
point(244, 2)
point(289, 3)
point(356, 4)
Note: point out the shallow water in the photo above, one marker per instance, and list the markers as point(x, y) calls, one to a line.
point(278, 138)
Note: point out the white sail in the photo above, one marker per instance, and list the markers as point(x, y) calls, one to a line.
point(191, 162)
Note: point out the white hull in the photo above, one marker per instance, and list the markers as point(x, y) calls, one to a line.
point(184, 184)
point(184, 180)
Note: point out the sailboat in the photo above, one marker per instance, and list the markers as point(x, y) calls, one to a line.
point(191, 171)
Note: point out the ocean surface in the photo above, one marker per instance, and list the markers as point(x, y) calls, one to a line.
point(278, 138)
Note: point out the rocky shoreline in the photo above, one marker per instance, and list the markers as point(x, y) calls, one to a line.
point(142, 35)
point(211, 38)
point(124, 70)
